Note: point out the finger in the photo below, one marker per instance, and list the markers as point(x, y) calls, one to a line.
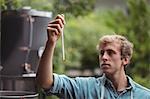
point(51, 31)
point(61, 17)
point(64, 18)
point(56, 26)
point(57, 21)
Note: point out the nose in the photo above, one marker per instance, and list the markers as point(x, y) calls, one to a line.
point(104, 57)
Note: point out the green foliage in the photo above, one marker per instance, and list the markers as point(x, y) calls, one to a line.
point(3, 6)
point(46, 5)
point(52, 97)
point(34, 4)
point(70, 7)
point(144, 81)
point(10, 4)
point(74, 7)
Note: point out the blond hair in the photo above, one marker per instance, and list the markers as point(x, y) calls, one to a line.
point(126, 47)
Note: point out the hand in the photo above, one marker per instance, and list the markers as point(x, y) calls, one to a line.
point(55, 28)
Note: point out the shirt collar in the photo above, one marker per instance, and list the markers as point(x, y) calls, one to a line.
point(130, 82)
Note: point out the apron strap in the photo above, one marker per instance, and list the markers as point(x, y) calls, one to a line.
point(102, 92)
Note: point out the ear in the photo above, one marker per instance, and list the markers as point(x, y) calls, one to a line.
point(125, 61)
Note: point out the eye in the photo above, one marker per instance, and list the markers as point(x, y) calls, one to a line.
point(110, 52)
point(101, 52)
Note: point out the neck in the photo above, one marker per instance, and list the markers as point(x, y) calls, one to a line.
point(119, 81)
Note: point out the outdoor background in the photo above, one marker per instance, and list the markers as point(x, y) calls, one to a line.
point(86, 22)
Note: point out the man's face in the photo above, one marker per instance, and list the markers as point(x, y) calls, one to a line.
point(110, 58)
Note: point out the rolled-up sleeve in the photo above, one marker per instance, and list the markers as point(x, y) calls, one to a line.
point(63, 87)
point(56, 86)
point(74, 88)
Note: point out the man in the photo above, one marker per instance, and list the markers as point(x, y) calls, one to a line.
point(115, 54)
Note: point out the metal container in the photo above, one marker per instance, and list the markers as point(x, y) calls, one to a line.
point(18, 83)
point(18, 95)
point(23, 34)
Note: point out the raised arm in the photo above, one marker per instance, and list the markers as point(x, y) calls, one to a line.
point(45, 69)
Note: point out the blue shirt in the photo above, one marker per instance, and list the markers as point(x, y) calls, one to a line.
point(94, 88)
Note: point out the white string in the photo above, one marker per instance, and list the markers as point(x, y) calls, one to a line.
point(131, 94)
